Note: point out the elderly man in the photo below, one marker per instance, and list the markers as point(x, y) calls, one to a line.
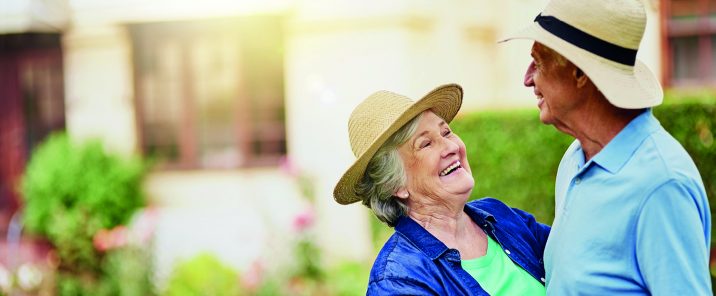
point(632, 217)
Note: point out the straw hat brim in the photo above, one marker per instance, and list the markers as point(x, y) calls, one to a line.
point(623, 86)
point(445, 101)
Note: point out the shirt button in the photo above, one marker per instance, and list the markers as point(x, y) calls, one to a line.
point(507, 251)
point(542, 279)
point(577, 181)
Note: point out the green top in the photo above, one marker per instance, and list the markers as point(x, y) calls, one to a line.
point(498, 275)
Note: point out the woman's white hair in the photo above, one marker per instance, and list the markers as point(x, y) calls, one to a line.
point(384, 175)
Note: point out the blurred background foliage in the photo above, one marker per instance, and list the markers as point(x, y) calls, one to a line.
point(73, 191)
point(204, 274)
point(514, 157)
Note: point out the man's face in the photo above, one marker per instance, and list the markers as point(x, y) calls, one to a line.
point(554, 85)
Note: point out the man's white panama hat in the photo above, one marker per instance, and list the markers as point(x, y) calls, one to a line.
point(601, 37)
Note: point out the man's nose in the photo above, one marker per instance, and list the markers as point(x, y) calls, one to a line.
point(529, 81)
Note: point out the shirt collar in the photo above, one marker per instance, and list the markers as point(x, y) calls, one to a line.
point(616, 153)
point(429, 244)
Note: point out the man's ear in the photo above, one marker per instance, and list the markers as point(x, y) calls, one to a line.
point(402, 193)
point(580, 77)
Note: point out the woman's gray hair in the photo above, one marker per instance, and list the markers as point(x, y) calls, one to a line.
point(384, 175)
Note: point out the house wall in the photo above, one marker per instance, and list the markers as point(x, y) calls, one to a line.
point(337, 53)
point(242, 216)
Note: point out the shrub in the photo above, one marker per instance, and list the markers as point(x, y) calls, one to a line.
point(203, 275)
point(693, 124)
point(348, 278)
point(72, 191)
point(126, 272)
point(514, 157)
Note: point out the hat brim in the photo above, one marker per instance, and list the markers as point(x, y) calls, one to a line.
point(445, 101)
point(625, 87)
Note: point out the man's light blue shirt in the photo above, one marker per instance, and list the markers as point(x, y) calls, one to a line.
point(633, 220)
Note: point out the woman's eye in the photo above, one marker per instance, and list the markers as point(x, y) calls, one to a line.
point(424, 144)
point(447, 133)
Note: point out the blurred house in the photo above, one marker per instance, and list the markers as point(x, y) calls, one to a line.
point(235, 98)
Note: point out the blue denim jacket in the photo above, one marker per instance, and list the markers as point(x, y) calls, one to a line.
point(414, 262)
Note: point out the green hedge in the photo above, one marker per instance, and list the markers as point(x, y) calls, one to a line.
point(514, 157)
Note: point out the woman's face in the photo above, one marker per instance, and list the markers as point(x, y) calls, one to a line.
point(435, 161)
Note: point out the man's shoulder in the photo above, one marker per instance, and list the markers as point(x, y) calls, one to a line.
point(664, 159)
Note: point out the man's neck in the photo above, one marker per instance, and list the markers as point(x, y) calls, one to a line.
point(597, 125)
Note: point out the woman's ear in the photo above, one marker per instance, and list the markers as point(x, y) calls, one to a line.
point(402, 193)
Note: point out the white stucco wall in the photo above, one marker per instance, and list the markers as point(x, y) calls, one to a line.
point(99, 87)
point(33, 15)
point(242, 217)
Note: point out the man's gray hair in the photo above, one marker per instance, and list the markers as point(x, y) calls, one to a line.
point(384, 175)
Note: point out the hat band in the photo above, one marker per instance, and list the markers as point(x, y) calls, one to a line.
point(587, 42)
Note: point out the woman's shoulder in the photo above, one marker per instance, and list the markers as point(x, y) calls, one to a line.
point(397, 258)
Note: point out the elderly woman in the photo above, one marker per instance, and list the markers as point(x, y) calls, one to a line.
point(412, 171)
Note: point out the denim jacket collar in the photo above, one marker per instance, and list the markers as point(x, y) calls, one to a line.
point(429, 244)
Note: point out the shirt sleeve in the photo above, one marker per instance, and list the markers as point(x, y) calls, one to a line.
point(398, 286)
point(671, 248)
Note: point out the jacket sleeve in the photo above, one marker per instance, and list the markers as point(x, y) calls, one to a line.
point(399, 286)
point(672, 236)
point(539, 230)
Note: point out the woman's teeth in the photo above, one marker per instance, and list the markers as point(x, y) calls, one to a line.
point(450, 168)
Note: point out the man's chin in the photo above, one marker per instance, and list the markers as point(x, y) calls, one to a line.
point(544, 118)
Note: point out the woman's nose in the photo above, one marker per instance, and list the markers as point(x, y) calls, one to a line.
point(449, 148)
point(529, 81)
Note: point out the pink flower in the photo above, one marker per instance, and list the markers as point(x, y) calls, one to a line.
point(105, 240)
point(144, 225)
point(251, 280)
point(288, 166)
point(303, 220)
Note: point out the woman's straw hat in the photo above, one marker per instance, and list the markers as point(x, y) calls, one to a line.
point(376, 119)
point(601, 37)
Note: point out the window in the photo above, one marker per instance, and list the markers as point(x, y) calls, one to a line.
point(32, 105)
point(210, 93)
point(690, 42)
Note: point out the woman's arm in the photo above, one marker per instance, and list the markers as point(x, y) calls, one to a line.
point(399, 286)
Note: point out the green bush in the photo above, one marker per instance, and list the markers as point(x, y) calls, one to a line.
point(126, 272)
point(693, 124)
point(514, 157)
point(71, 191)
point(203, 275)
point(348, 279)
